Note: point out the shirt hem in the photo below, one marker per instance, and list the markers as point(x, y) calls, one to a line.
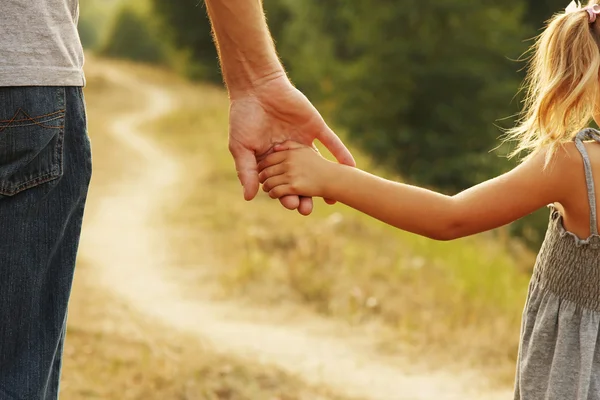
point(41, 76)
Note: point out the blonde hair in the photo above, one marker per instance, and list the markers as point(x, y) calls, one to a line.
point(562, 84)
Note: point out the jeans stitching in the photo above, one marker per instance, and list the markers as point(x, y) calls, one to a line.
point(3, 128)
point(35, 118)
point(43, 125)
point(56, 170)
point(30, 183)
point(54, 117)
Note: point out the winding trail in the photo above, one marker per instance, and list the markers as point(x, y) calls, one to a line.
point(130, 258)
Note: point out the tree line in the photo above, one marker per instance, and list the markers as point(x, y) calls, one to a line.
point(426, 87)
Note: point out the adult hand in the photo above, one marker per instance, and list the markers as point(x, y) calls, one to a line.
point(271, 113)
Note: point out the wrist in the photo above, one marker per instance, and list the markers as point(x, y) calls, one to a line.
point(250, 78)
point(332, 176)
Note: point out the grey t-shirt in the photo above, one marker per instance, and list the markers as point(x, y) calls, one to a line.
point(39, 43)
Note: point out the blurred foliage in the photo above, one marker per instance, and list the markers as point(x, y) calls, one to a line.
point(135, 36)
point(539, 11)
point(186, 24)
point(88, 33)
point(426, 87)
point(94, 20)
point(411, 102)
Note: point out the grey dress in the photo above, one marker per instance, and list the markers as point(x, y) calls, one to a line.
point(559, 353)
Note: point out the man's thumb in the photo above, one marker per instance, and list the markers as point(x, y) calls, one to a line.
point(245, 165)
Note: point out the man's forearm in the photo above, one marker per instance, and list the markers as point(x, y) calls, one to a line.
point(246, 49)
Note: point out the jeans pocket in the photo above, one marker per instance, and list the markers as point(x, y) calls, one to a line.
point(32, 126)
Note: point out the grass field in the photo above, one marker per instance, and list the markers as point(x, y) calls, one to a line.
point(111, 351)
point(441, 301)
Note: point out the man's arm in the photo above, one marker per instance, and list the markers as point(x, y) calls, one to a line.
point(266, 109)
point(245, 46)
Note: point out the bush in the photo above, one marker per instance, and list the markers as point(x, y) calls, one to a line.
point(88, 34)
point(133, 36)
point(186, 24)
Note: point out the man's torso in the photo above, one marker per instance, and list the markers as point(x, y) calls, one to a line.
point(39, 43)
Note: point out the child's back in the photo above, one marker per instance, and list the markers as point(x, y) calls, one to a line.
point(559, 356)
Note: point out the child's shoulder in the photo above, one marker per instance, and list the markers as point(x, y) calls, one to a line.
point(560, 165)
point(565, 165)
point(557, 158)
point(569, 156)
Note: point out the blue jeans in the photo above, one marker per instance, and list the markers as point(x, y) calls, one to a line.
point(45, 169)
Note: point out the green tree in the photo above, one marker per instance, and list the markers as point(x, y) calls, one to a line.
point(94, 20)
point(134, 37)
point(186, 24)
point(539, 11)
point(421, 85)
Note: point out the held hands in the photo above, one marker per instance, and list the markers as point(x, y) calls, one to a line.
point(295, 170)
point(274, 112)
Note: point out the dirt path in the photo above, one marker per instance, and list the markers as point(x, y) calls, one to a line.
point(131, 259)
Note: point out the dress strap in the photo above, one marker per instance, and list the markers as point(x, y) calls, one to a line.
point(589, 134)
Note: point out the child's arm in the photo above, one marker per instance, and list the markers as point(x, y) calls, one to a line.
point(301, 171)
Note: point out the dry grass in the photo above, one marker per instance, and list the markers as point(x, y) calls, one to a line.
point(448, 301)
point(112, 352)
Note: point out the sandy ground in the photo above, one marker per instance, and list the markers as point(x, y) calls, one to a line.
point(131, 259)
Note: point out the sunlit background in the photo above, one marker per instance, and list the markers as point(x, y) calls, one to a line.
point(185, 291)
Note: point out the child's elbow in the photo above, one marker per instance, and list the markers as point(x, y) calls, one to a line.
point(443, 236)
point(447, 231)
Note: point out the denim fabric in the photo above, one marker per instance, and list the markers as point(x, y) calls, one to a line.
point(45, 169)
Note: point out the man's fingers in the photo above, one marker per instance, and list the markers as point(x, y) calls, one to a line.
point(245, 164)
point(290, 202)
point(335, 145)
point(282, 192)
point(306, 206)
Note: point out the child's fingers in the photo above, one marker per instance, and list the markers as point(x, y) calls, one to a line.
point(272, 159)
point(281, 191)
point(273, 170)
point(275, 181)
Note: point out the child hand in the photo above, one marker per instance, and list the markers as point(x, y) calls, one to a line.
point(294, 169)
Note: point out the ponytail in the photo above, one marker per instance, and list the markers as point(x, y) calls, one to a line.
point(562, 82)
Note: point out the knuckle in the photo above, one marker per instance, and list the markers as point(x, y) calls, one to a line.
point(232, 147)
